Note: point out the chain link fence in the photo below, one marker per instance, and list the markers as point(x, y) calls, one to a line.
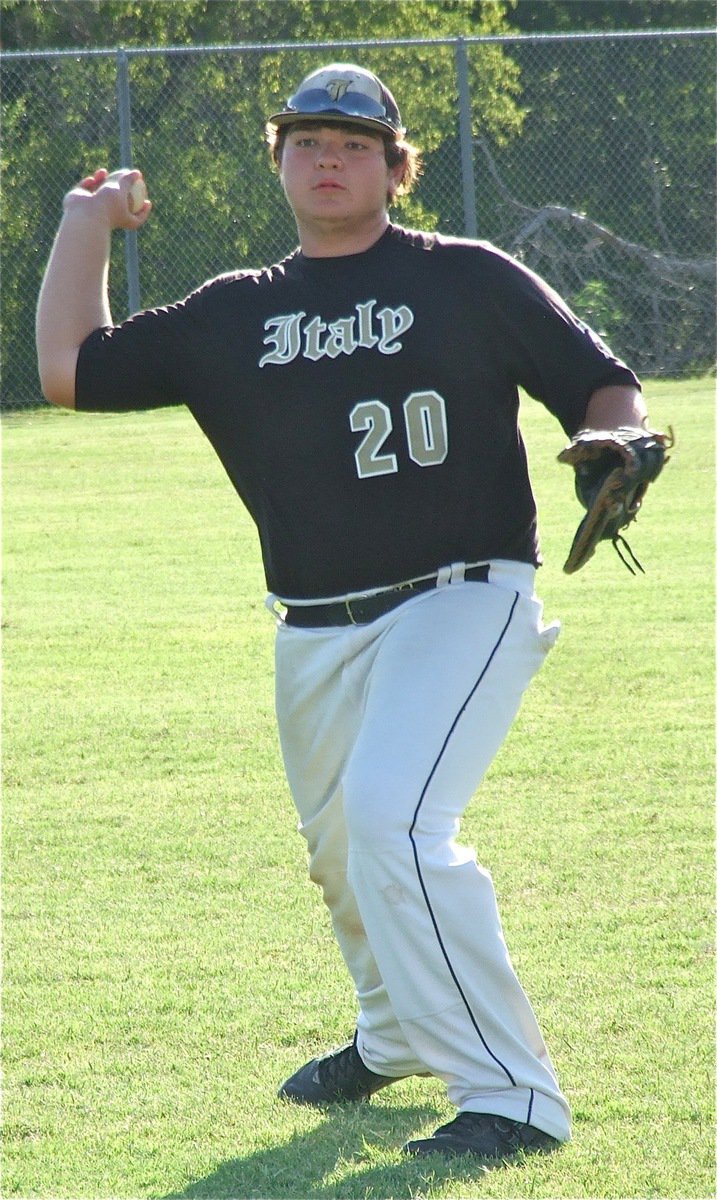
point(589, 157)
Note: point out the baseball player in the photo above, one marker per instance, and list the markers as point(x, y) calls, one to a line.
point(362, 395)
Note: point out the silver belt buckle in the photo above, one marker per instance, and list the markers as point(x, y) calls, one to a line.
point(394, 591)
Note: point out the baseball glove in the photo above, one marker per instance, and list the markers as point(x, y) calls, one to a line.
point(613, 468)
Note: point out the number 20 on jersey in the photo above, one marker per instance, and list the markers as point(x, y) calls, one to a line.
point(424, 415)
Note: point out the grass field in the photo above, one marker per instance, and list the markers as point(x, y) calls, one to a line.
point(167, 963)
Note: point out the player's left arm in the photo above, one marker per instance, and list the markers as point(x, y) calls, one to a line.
point(616, 406)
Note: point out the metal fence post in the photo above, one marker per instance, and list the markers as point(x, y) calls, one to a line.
point(124, 108)
point(465, 131)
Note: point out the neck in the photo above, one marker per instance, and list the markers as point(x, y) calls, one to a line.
point(320, 239)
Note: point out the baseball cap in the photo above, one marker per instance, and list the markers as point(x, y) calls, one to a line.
point(342, 92)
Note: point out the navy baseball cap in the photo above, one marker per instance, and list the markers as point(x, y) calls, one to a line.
point(342, 92)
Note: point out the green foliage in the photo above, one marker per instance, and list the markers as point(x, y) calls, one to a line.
point(552, 16)
point(197, 124)
point(648, 99)
point(63, 24)
point(594, 304)
point(89, 24)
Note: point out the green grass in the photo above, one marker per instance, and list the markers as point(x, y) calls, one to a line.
point(167, 962)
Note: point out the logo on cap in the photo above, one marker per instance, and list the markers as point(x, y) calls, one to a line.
point(337, 87)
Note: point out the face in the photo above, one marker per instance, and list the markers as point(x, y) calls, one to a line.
point(335, 174)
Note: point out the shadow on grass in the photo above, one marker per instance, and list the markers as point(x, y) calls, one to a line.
point(335, 1160)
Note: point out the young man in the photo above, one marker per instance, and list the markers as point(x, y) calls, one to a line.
point(363, 398)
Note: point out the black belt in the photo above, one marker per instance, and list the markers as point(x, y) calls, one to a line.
point(368, 608)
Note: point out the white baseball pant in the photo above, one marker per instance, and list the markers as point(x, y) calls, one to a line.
point(386, 731)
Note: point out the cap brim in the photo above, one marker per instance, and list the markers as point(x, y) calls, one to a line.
point(333, 117)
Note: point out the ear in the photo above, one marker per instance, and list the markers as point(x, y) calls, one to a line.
point(395, 176)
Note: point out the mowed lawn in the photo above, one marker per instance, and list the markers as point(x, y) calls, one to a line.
point(166, 961)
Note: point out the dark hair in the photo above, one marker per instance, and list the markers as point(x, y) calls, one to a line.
point(397, 150)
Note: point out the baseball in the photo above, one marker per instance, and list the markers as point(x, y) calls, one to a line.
point(137, 195)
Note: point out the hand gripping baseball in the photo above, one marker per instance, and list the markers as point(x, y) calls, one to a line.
point(121, 195)
point(612, 471)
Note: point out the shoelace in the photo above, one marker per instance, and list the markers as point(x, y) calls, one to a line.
point(335, 1071)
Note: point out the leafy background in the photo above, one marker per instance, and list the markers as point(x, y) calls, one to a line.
point(621, 131)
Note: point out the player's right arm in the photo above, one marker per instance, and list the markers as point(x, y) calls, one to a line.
point(74, 297)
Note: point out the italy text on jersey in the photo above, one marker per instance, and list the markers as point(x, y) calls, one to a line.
point(293, 334)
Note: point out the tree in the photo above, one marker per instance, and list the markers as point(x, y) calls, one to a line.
point(562, 16)
point(197, 124)
point(197, 121)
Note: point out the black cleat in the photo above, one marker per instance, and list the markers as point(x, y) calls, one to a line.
point(337, 1078)
point(484, 1135)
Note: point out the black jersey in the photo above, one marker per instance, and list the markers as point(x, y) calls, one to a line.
point(365, 407)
